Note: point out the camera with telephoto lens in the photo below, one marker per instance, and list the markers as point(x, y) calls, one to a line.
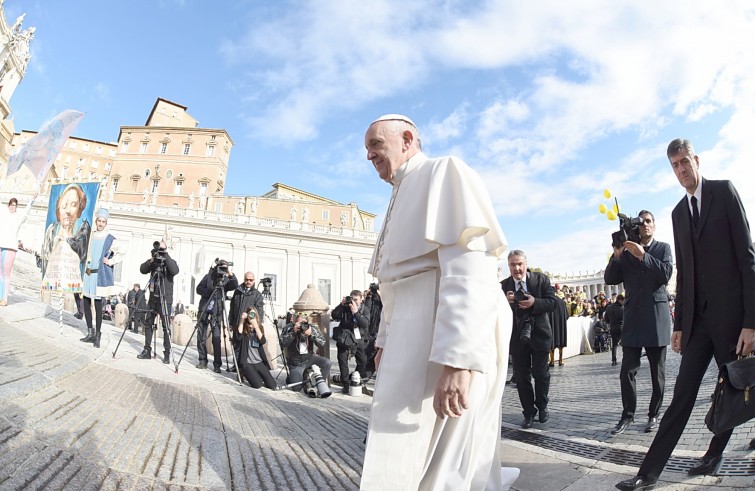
point(525, 321)
point(158, 253)
point(348, 300)
point(629, 229)
point(314, 383)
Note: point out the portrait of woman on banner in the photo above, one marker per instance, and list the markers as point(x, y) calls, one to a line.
point(66, 240)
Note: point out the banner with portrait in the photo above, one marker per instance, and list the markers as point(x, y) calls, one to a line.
point(67, 231)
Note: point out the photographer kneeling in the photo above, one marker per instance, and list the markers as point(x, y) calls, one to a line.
point(350, 335)
point(252, 358)
point(299, 340)
point(212, 289)
point(162, 268)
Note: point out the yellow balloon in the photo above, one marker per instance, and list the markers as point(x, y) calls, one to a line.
point(607, 193)
point(615, 208)
point(611, 215)
point(602, 209)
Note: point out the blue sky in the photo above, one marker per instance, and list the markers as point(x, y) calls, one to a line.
point(552, 102)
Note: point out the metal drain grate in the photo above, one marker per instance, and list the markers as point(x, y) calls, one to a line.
point(729, 466)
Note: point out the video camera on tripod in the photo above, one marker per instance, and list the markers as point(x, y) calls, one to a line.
point(219, 271)
point(158, 252)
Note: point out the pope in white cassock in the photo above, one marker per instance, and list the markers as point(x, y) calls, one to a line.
point(445, 327)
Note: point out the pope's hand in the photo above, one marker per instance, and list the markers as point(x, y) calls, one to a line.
point(451, 392)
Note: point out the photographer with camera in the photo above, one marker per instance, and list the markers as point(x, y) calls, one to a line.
point(253, 360)
point(136, 307)
point(211, 309)
point(299, 339)
point(350, 335)
point(162, 269)
point(374, 305)
point(531, 298)
point(244, 297)
point(644, 265)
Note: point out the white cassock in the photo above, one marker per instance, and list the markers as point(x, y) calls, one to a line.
point(436, 261)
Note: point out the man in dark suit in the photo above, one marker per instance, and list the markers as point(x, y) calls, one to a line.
point(645, 270)
point(614, 315)
point(530, 353)
point(715, 302)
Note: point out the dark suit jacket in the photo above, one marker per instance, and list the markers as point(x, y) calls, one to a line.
point(539, 286)
point(647, 321)
point(615, 317)
point(725, 286)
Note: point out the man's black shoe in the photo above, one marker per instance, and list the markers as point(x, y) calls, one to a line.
point(652, 423)
point(201, 365)
point(232, 369)
point(752, 444)
point(217, 370)
point(345, 389)
point(544, 415)
point(708, 466)
point(614, 363)
point(166, 357)
point(528, 420)
point(622, 425)
point(637, 482)
point(146, 354)
point(78, 315)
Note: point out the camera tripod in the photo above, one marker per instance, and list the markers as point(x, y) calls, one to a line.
point(210, 318)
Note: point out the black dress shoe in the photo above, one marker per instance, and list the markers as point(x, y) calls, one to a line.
point(544, 415)
point(708, 466)
point(752, 444)
point(78, 315)
point(637, 482)
point(622, 425)
point(528, 420)
point(614, 363)
point(650, 426)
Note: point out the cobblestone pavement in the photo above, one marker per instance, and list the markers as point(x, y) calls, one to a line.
point(75, 417)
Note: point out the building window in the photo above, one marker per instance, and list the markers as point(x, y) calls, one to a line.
point(124, 146)
point(273, 285)
point(143, 148)
point(146, 172)
point(72, 144)
point(115, 184)
point(187, 148)
point(154, 185)
point(163, 148)
point(218, 207)
point(323, 286)
point(179, 187)
point(210, 150)
point(85, 147)
point(95, 164)
point(98, 150)
point(202, 188)
point(326, 214)
point(68, 158)
point(169, 174)
point(65, 172)
point(112, 152)
point(108, 165)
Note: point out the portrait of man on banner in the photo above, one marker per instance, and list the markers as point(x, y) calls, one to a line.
point(67, 231)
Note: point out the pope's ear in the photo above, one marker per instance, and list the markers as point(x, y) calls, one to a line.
point(407, 137)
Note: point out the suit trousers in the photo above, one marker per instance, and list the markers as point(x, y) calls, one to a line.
point(214, 325)
point(630, 363)
point(705, 343)
point(529, 364)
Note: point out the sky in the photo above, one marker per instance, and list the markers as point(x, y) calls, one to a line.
point(551, 102)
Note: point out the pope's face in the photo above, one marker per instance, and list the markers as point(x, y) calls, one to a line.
point(100, 223)
point(385, 149)
point(69, 209)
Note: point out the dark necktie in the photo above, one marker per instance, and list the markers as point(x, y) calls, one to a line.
point(520, 286)
point(695, 212)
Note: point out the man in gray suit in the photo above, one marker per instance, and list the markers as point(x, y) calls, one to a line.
point(645, 270)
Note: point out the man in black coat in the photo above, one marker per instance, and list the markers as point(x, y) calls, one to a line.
point(351, 335)
point(614, 315)
point(645, 270)
point(210, 310)
point(715, 302)
point(536, 298)
point(245, 296)
point(157, 305)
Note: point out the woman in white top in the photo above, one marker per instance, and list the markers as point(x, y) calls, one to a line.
point(10, 223)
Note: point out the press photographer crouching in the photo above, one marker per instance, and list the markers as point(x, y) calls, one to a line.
point(162, 269)
point(350, 335)
point(244, 297)
point(299, 339)
point(252, 359)
point(212, 288)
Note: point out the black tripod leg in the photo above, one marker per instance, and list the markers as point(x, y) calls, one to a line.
point(119, 340)
point(196, 326)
